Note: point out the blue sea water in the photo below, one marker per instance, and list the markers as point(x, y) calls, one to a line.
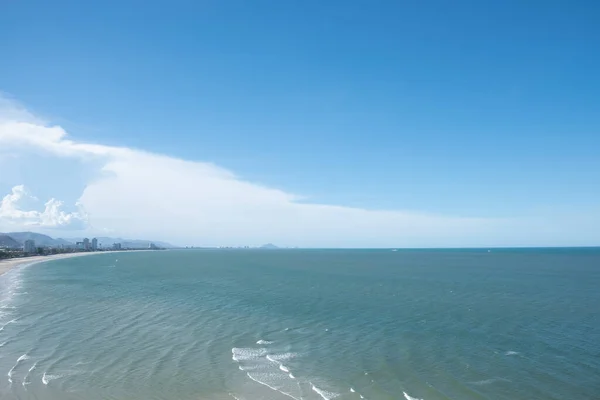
point(304, 324)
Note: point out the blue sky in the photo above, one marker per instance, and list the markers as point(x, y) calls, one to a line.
point(465, 108)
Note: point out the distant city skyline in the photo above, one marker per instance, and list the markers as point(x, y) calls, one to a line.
point(309, 124)
point(13, 240)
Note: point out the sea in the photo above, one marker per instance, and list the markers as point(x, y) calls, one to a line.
point(501, 324)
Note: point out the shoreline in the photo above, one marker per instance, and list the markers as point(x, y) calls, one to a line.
point(11, 263)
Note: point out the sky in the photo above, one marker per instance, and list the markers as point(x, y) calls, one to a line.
point(302, 123)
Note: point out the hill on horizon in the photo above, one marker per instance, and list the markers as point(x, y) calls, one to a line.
point(8, 241)
point(47, 241)
point(39, 238)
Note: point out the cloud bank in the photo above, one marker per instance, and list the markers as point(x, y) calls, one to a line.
point(12, 214)
point(142, 194)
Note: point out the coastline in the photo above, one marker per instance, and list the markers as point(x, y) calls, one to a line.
point(8, 264)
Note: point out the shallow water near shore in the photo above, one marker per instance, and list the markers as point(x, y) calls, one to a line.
point(304, 324)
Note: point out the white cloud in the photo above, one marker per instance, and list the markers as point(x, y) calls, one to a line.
point(12, 215)
point(9, 208)
point(141, 194)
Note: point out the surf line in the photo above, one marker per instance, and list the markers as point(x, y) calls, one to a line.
point(10, 371)
point(28, 372)
point(409, 397)
point(271, 387)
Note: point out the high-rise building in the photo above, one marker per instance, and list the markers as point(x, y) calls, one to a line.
point(117, 246)
point(94, 244)
point(86, 244)
point(29, 246)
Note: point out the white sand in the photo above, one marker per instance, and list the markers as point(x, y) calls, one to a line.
point(8, 264)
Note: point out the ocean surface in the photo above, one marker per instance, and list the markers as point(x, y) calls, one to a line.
point(304, 324)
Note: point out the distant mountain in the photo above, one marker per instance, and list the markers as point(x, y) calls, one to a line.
point(8, 242)
point(126, 243)
point(40, 240)
point(269, 246)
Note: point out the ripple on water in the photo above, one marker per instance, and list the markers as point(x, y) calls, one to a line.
point(151, 331)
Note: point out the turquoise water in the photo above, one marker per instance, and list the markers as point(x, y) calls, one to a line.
point(312, 324)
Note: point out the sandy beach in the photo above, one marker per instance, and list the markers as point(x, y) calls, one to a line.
point(8, 264)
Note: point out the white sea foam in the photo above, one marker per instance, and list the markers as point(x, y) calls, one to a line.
point(247, 354)
point(263, 378)
point(511, 353)
point(12, 321)
point(352, 390)
point(265, 368)
point(10, 371)
point(326, 395)
point(25, 382)
point(47, 378)
point(275, 358)
point(250, 367)
point(488, 381)
point(291, 376)
point(409, 397)
point(361, 396)
point(264, 342)
point(82, 363)
point(281, 357)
